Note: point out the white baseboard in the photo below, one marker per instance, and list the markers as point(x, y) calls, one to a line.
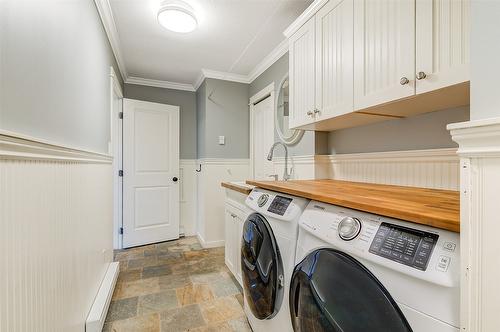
point(210, 244)
point(99, 310)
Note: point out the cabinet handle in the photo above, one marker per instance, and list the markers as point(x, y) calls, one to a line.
point(316, 111)
point(233, 215)
point(404, 81)
point(421, 75)
point(310, 113)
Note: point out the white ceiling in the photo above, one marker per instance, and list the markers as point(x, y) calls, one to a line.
point(233, 36)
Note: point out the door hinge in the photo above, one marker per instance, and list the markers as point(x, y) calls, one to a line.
point(120, 115)
point(120, 173)
point(121, 230)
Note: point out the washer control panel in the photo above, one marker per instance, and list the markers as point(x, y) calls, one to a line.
point(404, 245)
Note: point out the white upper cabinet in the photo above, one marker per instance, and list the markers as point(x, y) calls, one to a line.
point(384, 51)
point(354, 62)
point(301, 73)
point(334, 59)
point(443, 43)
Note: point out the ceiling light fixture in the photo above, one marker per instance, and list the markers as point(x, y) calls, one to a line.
point(177, 16)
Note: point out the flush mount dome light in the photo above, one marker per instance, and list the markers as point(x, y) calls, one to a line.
point(177, 16)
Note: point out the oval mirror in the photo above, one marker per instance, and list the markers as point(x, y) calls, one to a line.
point(286, 135)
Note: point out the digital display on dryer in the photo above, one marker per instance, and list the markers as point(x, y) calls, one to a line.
point(404, 245)
point(279, 205)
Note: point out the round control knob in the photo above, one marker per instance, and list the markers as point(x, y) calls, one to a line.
point(262, 200)
point(349, 228)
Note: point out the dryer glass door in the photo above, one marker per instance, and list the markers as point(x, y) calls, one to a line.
point(262, 268)
point(332, 291)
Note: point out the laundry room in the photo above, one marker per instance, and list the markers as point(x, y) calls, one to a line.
point(249, 165)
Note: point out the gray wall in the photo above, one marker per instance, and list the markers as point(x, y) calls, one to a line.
point(311, 143)
point(54, 72)
point(186, 100)
point(201, 102)
point(425, 131)
point(484, 54)
point(223, 111)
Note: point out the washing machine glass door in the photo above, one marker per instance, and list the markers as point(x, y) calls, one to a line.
point(332, 291)
point(262, 268)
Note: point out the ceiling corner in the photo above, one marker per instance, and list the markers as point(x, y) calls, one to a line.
point(108, 22)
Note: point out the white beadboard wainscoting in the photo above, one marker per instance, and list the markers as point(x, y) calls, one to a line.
point(436, 168)
point(56, 226)
point(211, 196)
point(187, 196)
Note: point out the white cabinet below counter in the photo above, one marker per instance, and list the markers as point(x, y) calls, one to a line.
point(236, 213)
point(354, 62)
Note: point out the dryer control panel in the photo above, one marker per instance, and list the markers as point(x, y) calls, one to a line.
point(276, 205)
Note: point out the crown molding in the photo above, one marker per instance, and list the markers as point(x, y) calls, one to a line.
point(159, 83)
point(108, 21)
point(199, 81)
point(304, 17)
point(269, 60)
point(225, 76)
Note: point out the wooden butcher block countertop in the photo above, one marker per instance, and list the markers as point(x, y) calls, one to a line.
point(237, 187)
point(432, 207)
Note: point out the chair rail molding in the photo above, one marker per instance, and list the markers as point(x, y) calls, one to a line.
point(479, 151)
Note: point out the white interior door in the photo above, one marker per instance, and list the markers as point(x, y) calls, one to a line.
point(150, 167)
point(263, 138)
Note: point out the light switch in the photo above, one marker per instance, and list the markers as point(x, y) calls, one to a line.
point(222, 140)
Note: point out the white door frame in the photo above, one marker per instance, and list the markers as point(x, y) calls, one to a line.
point(115, 150)
point(267, 92)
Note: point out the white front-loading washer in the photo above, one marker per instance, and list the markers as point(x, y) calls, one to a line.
point(268, 249)
point(359, 272)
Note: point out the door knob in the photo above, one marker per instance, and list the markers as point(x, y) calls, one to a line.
point(175, 179)
point(421, 75)
point(404, 80)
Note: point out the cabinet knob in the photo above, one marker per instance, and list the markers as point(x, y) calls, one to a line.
point(421, 75)
point(404, 81)
point(310, 113)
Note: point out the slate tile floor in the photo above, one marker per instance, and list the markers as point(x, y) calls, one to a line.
point(175, 286)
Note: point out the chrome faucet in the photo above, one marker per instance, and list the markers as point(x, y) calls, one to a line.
point(286, 176)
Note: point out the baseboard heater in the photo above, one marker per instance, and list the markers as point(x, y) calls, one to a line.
point(99, 310)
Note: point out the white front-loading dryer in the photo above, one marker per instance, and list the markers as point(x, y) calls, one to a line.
point(268, 249)
point(359, 272)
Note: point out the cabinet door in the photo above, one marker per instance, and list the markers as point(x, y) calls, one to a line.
point(384, 51)
point(229, 240)
point(301, 71)
point(239, 234)
point(334, 59)
point(443, 43)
